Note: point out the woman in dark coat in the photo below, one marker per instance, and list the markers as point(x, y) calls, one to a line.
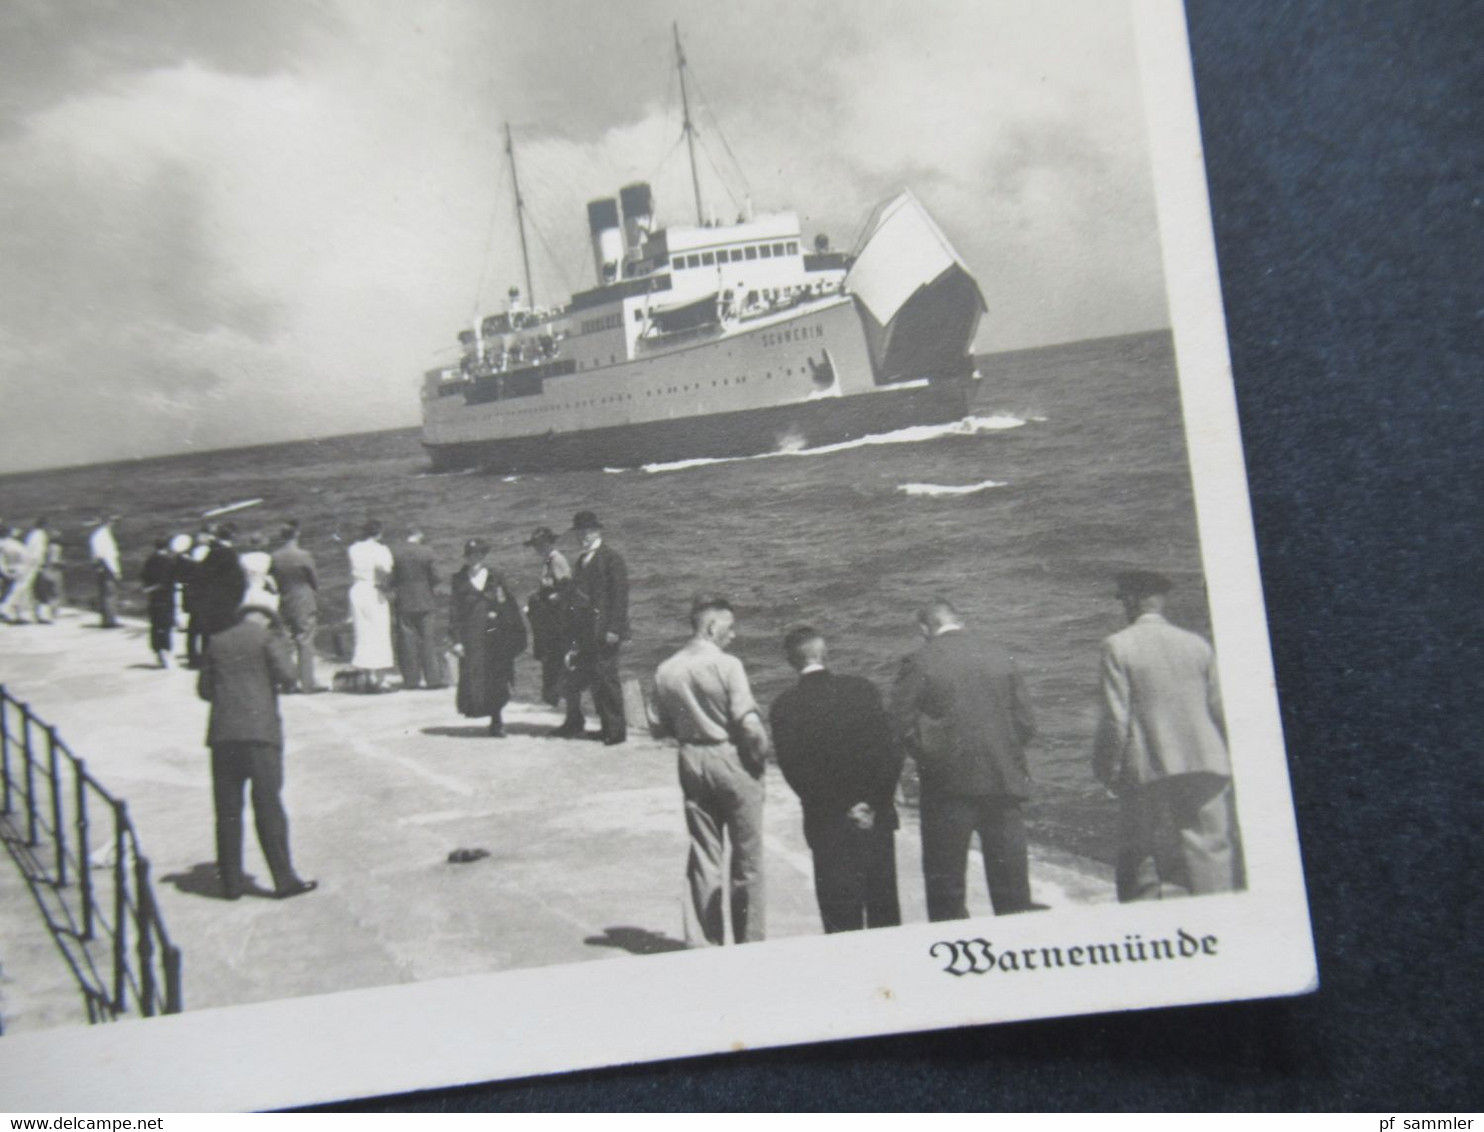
point(486, 625)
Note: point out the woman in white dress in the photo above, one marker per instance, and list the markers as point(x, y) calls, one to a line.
point(370, 612)
point(256, 565)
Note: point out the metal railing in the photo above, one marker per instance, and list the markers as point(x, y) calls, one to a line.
point(80, 856)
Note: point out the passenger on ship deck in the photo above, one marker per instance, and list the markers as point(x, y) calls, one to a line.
point(547, 611)
point(488, 633)
point(599, 624)
point(370, 612)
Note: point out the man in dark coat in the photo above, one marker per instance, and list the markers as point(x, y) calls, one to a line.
point(414, 581)
point(599, 623)
point(486, 625)
point(547, 611)
point(834, 747)
point(298, 602)
point(960, 708)
point(219, 585)
point(241, 672)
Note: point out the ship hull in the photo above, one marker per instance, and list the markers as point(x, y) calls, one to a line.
point(747, 432)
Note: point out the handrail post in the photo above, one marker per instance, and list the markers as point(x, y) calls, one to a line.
point(144, 917)
point(174, 999)
point(120, 909)
point(5, 747)
point(31, 836)
point(59, 831)
point(84, 862)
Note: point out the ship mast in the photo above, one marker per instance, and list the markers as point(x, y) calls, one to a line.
point(690, 130)
point(520, 219)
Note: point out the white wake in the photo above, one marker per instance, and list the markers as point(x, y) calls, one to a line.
point(915, 434)
point(936, 489)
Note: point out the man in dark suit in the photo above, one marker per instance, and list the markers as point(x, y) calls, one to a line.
point(834, 747)
point(599, 624)
point(298, 601)
point(241, 673)
point(414, 580)
point(219, 584)
point(960, 708)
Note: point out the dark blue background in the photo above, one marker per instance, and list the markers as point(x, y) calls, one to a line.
point(1342, 148)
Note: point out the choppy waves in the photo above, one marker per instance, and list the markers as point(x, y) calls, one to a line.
point(940, 489)
point(916, 434)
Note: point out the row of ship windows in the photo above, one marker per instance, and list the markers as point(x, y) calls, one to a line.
point(735, 255)
point(619, 397)
point(608, 322)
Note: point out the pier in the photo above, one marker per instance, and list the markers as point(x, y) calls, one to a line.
point(586, 845)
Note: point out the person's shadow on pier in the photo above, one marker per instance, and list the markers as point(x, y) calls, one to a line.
point(202, 880)
point(636, 941)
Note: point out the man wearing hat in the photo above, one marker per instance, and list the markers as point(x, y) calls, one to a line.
point(242, 671)
point(1160, 747)
point(547, 612)
point(598, 616)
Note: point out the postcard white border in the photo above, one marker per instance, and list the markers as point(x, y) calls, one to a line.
point(522, 1023)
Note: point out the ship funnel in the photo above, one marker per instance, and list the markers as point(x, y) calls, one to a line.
point(602, 223)
point(638, 216)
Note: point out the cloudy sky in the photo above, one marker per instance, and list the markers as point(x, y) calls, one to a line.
point(225, 222)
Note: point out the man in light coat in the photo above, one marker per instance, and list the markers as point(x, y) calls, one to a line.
point(1160, 747)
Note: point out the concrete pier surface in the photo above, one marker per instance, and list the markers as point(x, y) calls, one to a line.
point(586, 844)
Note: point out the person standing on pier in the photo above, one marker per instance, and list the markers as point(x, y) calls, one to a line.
point(159, 577)
point(30, 556)
point(1161, 748)
point(370, 612)
point(219, 585)
point(547, 612)
point(298, 601)
point(704, 702)
point(414, 582)
point(599, 622)
point(243, 668)
point(960, 708)
point(103, 549)
point(834, 747)
point(488, 633)
point(50, 582)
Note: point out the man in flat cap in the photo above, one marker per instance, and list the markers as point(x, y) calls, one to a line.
point(547, 612)
point(1160, 747)
point(599, 623)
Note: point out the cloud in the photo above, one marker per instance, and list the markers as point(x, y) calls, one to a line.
point(231, 229)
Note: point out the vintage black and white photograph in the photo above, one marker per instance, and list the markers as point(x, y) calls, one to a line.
point(546, 535)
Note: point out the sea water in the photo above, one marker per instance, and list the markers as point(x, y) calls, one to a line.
point(1071, 466)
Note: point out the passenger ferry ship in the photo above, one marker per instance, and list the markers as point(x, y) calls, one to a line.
point(712, 340)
